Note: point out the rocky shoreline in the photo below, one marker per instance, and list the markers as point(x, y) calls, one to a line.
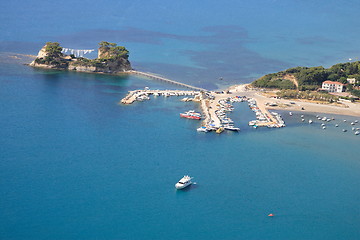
point(111, 59)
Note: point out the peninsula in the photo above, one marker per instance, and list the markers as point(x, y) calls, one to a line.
point(111, 59)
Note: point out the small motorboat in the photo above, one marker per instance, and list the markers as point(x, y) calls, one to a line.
point(202, 129)
point(184, 182)
point(231, 128)
point(310, 121)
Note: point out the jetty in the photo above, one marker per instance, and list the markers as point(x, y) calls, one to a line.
point(215, 106)
point(141, 95)
point(163, 79)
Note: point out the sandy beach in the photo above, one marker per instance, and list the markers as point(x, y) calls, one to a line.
point(344, 108)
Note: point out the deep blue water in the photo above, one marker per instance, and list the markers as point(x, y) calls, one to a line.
point(193, 41)
point(75, 164)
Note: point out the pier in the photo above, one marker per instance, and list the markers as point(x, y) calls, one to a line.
point(141, 95)
point(159, 78)
point(214, 105)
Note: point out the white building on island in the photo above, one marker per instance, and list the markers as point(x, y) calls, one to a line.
point(331, 86)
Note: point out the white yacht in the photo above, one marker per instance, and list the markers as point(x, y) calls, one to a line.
point(184, 182)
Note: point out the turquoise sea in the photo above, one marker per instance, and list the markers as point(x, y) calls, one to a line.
point(75, 164)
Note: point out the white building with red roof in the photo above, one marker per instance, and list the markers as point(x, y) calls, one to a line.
point(331, 86)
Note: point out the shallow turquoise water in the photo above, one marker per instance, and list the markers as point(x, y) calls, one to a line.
point(76, 165)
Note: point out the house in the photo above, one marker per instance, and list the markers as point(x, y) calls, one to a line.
point(331, 86)
point(351, 80)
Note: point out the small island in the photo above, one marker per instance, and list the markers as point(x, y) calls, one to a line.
point(111, 59)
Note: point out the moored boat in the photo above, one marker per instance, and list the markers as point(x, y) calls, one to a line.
point(191, 114)
point(183, 182)
point(231, 128)
point(202, 129)
point(220, 130)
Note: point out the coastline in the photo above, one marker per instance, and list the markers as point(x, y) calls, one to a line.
point(346, 108)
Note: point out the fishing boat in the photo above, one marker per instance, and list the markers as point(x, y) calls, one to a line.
point(183, 182)
point(191, 115)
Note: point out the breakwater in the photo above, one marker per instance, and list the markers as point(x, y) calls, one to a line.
point(141, 95)
point(214, 107)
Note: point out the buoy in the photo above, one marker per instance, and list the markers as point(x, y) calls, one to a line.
point(270, 215)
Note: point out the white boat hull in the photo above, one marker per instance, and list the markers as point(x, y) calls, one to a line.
point(181, 186)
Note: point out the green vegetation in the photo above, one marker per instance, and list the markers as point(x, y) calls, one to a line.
point(112, 58)
point(53, 56)
point(112, 51)
point(311, 78)
point(53, 49)
point(273, 81)
point(355, 92)
point(295, 94)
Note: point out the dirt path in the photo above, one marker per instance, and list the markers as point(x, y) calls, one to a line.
point(292, 78)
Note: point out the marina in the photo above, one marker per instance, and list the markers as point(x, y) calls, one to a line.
point(215, 107)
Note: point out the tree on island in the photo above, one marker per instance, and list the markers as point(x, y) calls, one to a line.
point(53, 49)
point(112, 51)
point(111, 58)
point(52, 56)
